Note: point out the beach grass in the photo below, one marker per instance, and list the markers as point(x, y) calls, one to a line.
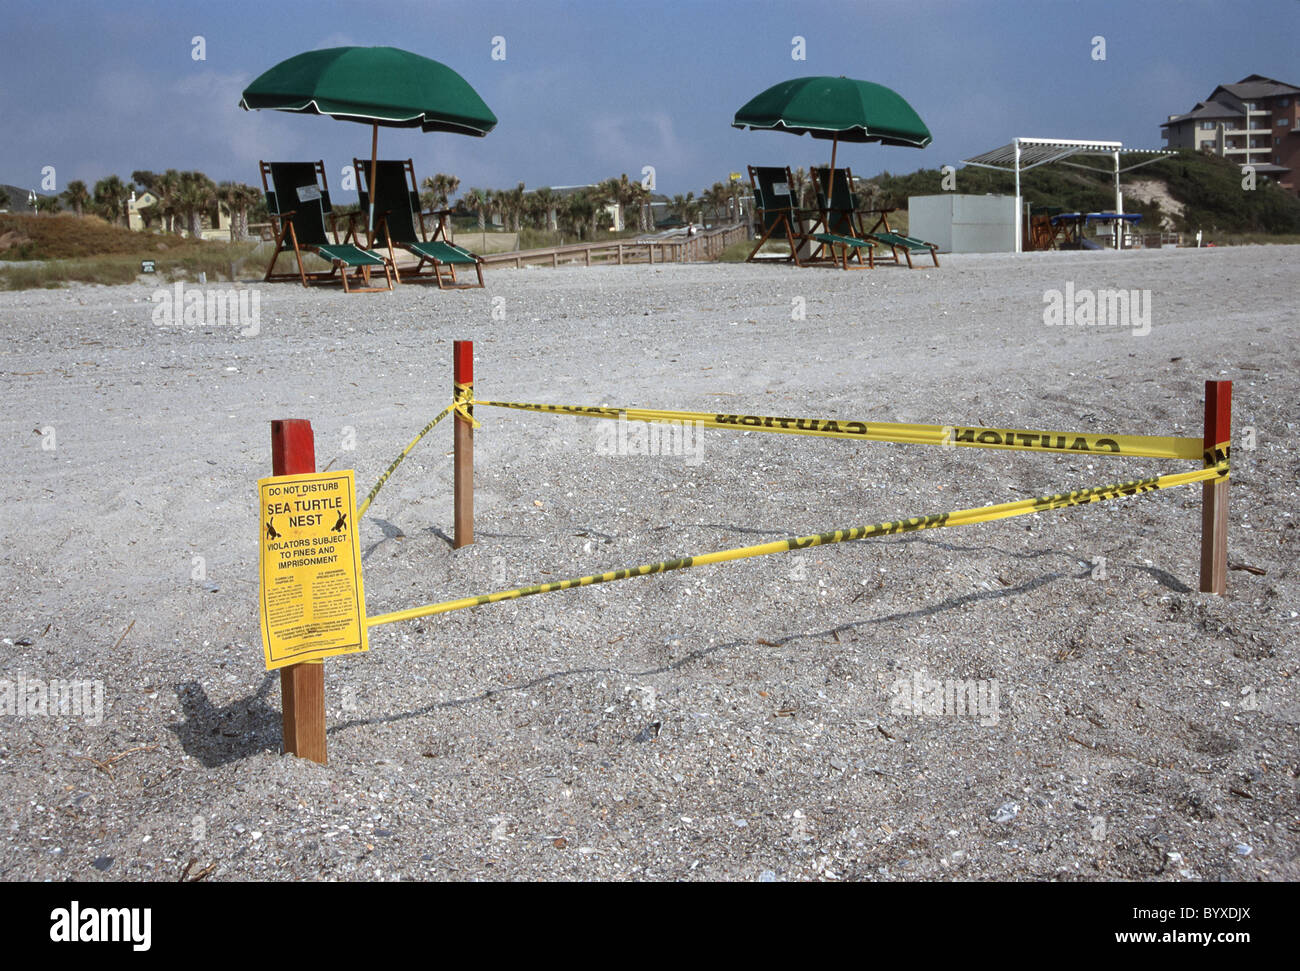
point(51, 251)
point(226, 261)
point(1255, 239)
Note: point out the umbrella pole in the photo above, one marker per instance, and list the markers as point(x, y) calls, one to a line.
point(374, 164)
point(830, 185)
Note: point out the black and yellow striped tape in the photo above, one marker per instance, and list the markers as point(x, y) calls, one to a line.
point(960, 517)
point(1145, 446)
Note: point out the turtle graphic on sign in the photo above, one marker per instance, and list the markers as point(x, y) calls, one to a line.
point(341, 524)
point(270, 529)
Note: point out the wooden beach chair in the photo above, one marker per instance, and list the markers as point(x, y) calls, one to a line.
point(1042, 234)
point(780, 218)
point(399, 222)
point(845, 215)
point(837, 212)
point(298, 200)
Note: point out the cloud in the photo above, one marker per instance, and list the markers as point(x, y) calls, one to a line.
point(629, 141)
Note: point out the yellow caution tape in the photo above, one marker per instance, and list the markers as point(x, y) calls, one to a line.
point(1219, 454)
point(464, 404)
point(361, 510)
point(1147, 446)
point(961, 517)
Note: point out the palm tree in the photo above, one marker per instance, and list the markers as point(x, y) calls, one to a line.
point(438, 190)
point(236, 199)
point(4, 198)
point(546, 201)
point(705, 201)
point(147, 179)
point(722, 198)
point(623, 196)
point(77, 196)
point(251, 201)
point(648, 204)
point(579, 210)
point(111, 197)
point(599, 196)
point(639, 196)
point(636, 201)
point(603, 195)
point(686, 205)
point(166, 189)
point(227, 199)
point(710, 201)
point(197, 194)
point(480, 200)
point(48, 204)
point(625, 193)
point(511, 203)
point(535, 214)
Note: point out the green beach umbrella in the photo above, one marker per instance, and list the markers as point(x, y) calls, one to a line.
point(375, 86)
point(841, 109)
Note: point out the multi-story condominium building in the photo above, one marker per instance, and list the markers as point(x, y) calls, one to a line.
point(1254, 122)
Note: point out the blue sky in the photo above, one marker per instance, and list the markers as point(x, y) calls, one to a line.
point(589, 90)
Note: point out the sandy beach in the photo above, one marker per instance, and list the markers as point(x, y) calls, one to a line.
point(747, 721)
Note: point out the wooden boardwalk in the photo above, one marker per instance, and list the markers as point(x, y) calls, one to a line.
point(703, 247)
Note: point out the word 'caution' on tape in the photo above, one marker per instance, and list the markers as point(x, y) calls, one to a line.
point(1145, 446)
point(961, 517)
point(954, 436)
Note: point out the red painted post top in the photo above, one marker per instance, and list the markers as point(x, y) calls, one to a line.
point(293, 448)
point(463, 362)
point(1218, 413)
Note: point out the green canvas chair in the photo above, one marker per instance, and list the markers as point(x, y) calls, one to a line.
point(780, 217)
point(298, 200)
point(844, 216)
point(777, 213)
point(399, 222)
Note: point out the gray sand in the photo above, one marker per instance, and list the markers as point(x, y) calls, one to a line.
point(740, 721)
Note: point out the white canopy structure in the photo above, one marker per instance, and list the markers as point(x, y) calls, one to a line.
point(1023, 154)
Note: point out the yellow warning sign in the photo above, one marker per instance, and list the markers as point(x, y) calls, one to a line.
point(311, 598)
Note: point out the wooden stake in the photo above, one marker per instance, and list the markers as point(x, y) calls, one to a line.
point(463, 443)
point(1214, 495)
point(302, 686)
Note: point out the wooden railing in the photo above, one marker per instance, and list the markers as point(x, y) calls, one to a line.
point(1157, 240)
point(704, 246)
